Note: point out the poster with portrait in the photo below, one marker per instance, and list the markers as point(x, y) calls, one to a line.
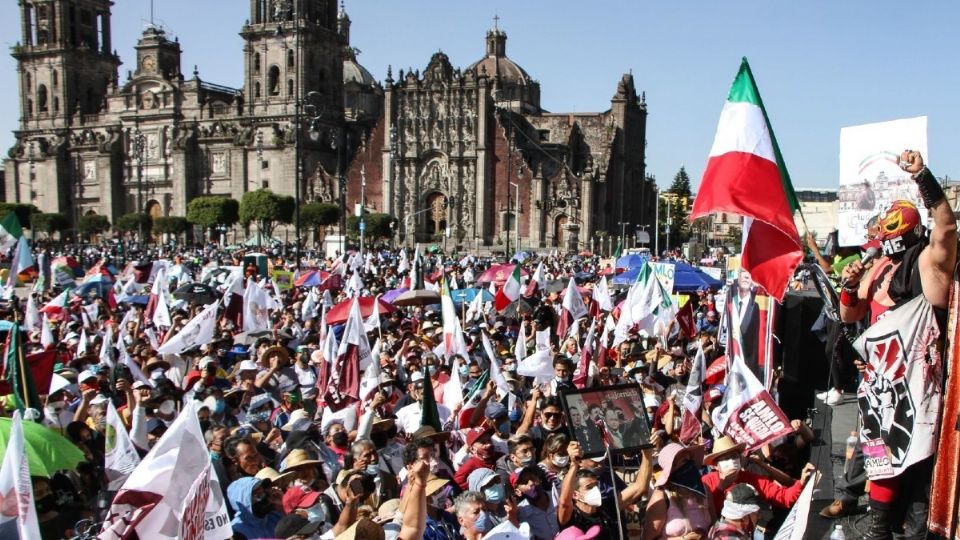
point(610, 417)
point(749, 326)
point(870, 174)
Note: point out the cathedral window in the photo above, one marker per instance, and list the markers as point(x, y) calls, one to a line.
point(291, 59)
point(256, 90)
point(42, 99)
point(273, 82)
point(290, 87)
point(28, 81)
point(56, 104)
point(256, 63)
point(55, 78)
point(29, 108)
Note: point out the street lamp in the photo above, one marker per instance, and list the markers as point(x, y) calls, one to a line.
point(138, 144)
point(259, 147)
point(623, 234)
point(516, 222)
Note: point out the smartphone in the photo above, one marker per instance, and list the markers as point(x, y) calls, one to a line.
point(356, 486)
point(616, 372)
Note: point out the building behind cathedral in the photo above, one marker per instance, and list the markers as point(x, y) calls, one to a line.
point(467, 152)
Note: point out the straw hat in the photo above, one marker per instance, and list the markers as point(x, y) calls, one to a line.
point(363, 529)
point(299, 458)
point(435, 484)
point(724, 446)
point(276, 350)
point(271, 474)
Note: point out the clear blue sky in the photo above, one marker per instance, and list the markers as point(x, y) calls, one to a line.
point(820, 64)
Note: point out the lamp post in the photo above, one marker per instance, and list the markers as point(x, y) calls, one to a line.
point(360, 211)
point(516, 221)
point(259, 147)
point(139, 143)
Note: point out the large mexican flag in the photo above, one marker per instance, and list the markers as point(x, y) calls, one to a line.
point(746, 175)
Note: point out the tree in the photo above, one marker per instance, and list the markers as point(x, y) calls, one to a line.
point(174, 225)
point(93, 224)
point(266, 208)
point(319, 214)
point(377, 226)
point(675, 205)
point(735, 237)
point(212, 211)
point(23, 211)
point(49, 223)
point(134, 222)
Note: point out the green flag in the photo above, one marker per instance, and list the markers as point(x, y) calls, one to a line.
point(17, 374)
point(616, 252)
point(10, 231)
point(429, 415)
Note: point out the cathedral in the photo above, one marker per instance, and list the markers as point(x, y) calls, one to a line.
point(466, 154)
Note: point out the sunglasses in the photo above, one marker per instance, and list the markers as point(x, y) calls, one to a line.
point(552, 415)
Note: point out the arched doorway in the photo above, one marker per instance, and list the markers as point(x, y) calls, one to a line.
point(437, 216)
point(154, 210)
point(560, 231)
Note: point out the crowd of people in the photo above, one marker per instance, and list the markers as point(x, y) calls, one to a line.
point(452, 438)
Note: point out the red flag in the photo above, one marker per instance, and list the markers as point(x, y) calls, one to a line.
point(716, 371)
point(746, 176)
point(685, 320)
point(41, 369)
point(343, 387)
point(141, 273)
point(582, 372)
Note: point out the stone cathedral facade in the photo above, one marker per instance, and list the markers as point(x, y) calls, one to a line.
point(464, 152)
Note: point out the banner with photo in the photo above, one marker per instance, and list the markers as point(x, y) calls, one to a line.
point(611, 417)
point(749, 326)
point(870, 174)
point(748, 413)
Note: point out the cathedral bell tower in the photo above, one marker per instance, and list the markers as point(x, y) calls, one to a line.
point(293, 48)
point(65, 61)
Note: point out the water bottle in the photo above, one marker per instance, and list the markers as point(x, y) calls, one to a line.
point(837, 533)
point(852, 441)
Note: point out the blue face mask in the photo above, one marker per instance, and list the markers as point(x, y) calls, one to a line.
point(464, 370)
point(493, 494)
point(219, 406)
point(432, 370)
point(504, 429)
point(259, 417)
point(482, 523)
point(372, 470)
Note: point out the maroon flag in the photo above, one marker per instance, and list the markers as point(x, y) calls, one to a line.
point(343, 387)
point(685, 320)
point(142, 273)
point(747, 412)
point(582, 372)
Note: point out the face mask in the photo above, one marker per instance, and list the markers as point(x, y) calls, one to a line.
point(638, 377)
point(531, 492)
point(527, 461)
point(316, 512)
point(166, 407)
point(219, 407)
point(464, 370)
point(387, 391)
point(204, 425)
point(494, 494)
point(434, 466)
point(510, 368)
point(561, 461)
point(340, 439)
point(482, 523)
point(504, 429)
point(259, 417)
point(156, 374)
point(560, 379)
point(432, 370)
point(261, 506)
point(689, 477)
point(372, 470)
point(729, 465)
point(514, 415)
point(592, 497)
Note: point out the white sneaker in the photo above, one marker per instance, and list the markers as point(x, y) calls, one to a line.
point(834, 397)
point(822, 396)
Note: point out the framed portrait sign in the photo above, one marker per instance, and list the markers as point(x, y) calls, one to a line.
point(610, 417)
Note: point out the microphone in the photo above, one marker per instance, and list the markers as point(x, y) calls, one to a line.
point(871, 254)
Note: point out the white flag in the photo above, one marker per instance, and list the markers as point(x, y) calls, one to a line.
point(371, 376)
point(82, 346)
point(520, 348)
point(573, 301)
point(795, 526)
point(311, 305)
point(193, 512)
point(134, 368)
point(121, 456)
point(16, 488)
point(46, 335)
point(496, 371)
point(32, 316)
point(601, 295)
point(538, 364)
point(256, 308)
point(106, 355)
point(161, 315)
point(373, 321)
point(198, 331)
point(151, 500)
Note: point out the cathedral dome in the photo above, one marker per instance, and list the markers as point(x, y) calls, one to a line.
point(497, 63)
point(353, 72)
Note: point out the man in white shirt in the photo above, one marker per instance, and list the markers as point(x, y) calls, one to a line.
point(408, 418)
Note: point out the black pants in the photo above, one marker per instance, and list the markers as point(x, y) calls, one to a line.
point(850, 487)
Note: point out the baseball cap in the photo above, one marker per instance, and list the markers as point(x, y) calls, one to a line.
point(295, 525)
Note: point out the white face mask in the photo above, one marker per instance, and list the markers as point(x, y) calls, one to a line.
point(316, 512)
point(166, 407)
point(729, 465)
point(561, 461)
point(592, 497)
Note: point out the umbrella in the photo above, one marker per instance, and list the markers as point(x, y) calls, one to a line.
point(517, 309)
point(196, 293)
point(418, 297)
point(311, 278)
point(339, 313)
point(68, 262)
point(98, 288)
point(392, 294)
point(251, 337)
point(461, 296)
point(218, 276)
point(499, 273)
point(47, 450)
point(687, 278)
point(141, 299)
point(628, 277)
point(632, 260)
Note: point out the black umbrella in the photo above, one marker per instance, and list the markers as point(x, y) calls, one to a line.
point(517, 309)
point(196, 293)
